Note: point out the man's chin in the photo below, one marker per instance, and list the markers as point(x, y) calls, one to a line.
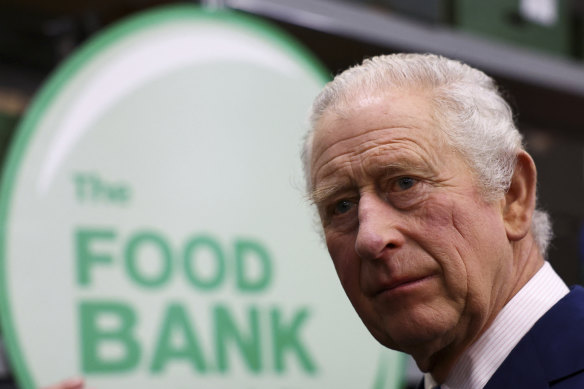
point(421, 337)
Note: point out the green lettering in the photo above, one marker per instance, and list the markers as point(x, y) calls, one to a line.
point(226, 332)
point(86, 257)
point(80, 184)
point(245, 251)
point(177, 324)
point(286, 340)
point(191, 251)
point(132, 259)
point(95, 339)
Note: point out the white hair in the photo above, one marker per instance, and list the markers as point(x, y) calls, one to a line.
point(468, 107)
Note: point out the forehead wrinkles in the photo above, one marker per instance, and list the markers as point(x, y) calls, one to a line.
point(366, 123)
point(365, 154)
point(399, 151)
point(344, 150)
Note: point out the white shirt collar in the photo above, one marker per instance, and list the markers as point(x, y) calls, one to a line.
point(480, 361)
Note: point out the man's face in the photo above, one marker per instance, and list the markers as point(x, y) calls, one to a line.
point(423, 258)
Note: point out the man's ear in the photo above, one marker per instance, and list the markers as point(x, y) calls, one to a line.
point(520, 198)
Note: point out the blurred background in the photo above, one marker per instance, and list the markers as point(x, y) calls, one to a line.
point(534, 48)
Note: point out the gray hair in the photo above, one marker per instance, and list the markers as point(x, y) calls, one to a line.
point(468, 107)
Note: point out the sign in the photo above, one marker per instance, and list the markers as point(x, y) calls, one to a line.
point(154, 232)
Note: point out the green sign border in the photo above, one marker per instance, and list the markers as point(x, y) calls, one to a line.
point(59, 80)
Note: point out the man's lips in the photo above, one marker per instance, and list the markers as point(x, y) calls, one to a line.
point(398, 284)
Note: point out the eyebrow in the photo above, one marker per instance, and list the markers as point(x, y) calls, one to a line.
point(320, 194)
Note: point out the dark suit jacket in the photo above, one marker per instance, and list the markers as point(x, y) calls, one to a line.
point(551, 354)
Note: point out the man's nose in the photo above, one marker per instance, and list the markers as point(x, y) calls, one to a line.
point(378, 227)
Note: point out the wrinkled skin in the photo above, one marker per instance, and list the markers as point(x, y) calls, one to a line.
point(425, 260)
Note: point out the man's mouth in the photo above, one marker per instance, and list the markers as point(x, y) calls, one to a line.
point(401, 284)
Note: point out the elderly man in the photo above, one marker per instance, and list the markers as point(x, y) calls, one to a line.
point(428, 205)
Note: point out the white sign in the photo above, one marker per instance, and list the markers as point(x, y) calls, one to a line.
point(153, 229)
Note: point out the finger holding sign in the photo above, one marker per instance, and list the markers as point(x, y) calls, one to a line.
point(71, 383)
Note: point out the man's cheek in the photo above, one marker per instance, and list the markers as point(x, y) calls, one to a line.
point(349, 276)
point(435, 226)
point(342, 253)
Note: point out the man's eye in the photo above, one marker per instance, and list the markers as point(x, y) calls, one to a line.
point(343, 206)
point(405, 183)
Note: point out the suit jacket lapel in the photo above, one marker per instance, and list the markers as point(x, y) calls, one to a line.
point(552, 350)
